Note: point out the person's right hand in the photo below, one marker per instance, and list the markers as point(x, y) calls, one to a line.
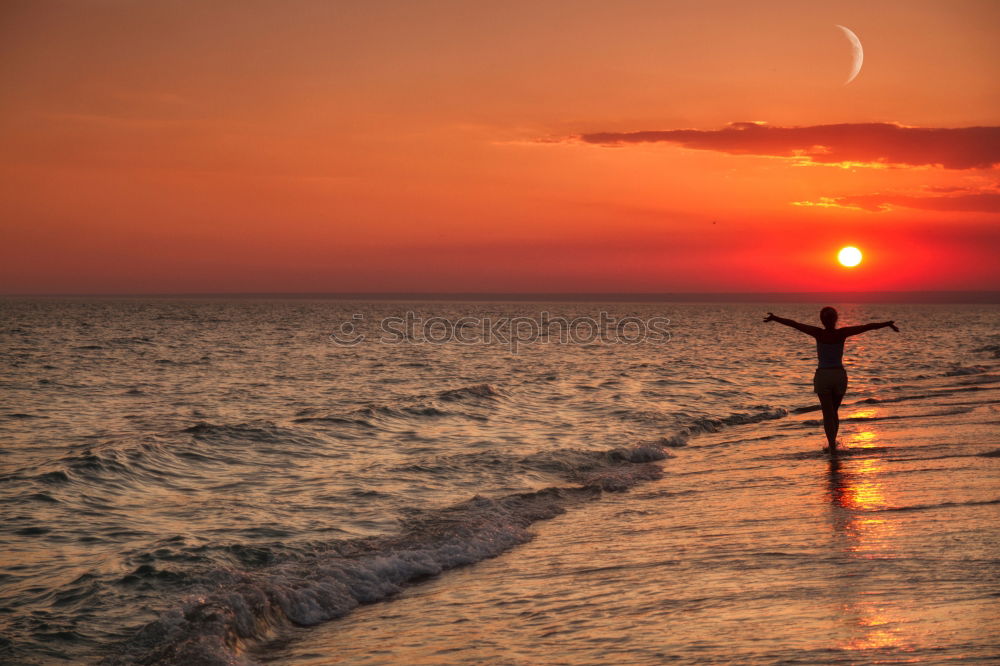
point(892, 325)
point(770, 317)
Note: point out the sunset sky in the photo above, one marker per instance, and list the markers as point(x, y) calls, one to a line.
point(537, 146)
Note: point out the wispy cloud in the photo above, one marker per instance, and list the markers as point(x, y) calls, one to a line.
point(977, 202)
point(852, 143)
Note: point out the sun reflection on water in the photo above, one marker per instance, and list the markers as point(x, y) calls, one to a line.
point(863, 440)
point(857, 491)
point(859, 496)
point(879, 628)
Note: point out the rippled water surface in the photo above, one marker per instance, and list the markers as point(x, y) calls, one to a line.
point(217, 480)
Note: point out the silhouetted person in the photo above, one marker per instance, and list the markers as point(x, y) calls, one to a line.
point(830, 380)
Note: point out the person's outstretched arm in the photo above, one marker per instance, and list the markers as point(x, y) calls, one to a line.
point(854, 330)
point(805, 328)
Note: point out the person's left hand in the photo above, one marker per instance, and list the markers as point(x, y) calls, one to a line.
point(892, 325)
point(770, 317)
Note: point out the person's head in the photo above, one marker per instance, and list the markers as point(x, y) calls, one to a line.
point(828, 316)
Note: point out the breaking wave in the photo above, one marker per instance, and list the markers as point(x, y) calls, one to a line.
point(238, 607)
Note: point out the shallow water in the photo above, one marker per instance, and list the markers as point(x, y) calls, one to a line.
point(220, 472)
point(752, 548)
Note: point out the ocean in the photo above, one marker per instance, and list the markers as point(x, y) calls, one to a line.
point(213, 481)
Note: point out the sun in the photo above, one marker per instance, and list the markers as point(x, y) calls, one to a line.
point(849, 256)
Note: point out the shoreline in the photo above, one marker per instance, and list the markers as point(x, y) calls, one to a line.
point(616, 578)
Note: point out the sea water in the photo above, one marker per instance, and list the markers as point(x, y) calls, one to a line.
point(226, 481)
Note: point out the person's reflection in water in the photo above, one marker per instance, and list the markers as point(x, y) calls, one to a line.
point(872, 623)
point(836, 483)
point(838, 492)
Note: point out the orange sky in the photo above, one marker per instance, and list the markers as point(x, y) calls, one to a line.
point(324, 146)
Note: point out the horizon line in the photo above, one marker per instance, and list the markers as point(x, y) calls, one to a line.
point(906, 296)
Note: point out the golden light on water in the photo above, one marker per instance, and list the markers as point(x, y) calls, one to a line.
point(849, 256)
point(859, 490)
point(863, 440)
point(879, 627)
point(865, 492)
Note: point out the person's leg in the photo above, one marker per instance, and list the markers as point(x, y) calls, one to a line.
point(829, 401)
point(839, 391)
point(837, 399)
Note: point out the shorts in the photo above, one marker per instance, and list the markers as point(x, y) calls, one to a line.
point(828, 380)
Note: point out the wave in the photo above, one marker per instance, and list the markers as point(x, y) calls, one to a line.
point(990, 349)
point(614, 470)
point(960, 370)
point(95, 464)
point(982, 375)
point(238, 607)
point(117, 464)
point(234, 604)
point(706, 424)
point(377, 412)
point(942, 505)
point(980, 378)
point(239, 435)
point(334, 420)
point(475, 396)
point(473, 392)
point(809, 423)
point(877, 401)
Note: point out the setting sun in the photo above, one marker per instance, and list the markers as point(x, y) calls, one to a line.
point(849, 256)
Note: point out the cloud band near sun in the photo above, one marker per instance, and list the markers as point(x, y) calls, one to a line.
point(978, 202)
point(853, 143)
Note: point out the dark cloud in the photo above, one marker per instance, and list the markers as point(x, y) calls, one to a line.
point(883, 143)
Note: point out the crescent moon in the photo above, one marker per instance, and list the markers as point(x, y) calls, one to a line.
point(857, 52)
